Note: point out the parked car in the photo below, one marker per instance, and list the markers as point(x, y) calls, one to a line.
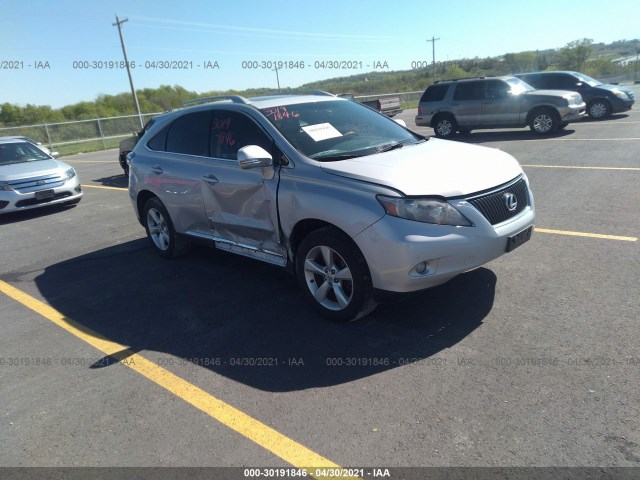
point(354, 204)
point(495, 102)
point(127, 145)
point(602, 99)
point(30, 178)
point(36, 143)
point(389, 106)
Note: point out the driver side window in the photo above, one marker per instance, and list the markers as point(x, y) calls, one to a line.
point(230, 131)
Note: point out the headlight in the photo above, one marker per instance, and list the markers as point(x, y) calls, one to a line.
point(621, 94)
point(6, 187)
point(426, 210)
point(69, 174)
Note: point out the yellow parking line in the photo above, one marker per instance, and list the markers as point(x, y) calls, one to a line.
point(581, 167)
point(583, 234)
point(287, 449)
point(106, 188)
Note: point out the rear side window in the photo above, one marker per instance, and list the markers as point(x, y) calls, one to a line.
point(469, 91)
point(533, 80)
point(159, 141)
point(435, 93)
point(189, 134)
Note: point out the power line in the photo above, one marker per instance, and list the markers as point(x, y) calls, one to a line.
point(126, 62)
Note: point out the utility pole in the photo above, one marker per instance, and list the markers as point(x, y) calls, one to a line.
point(433, 52)
point(126, 62)
point(635, 74)
point(278, 79)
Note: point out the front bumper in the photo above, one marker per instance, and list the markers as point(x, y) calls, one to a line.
point(13, 201)
point(393, 247)
point(618, 105)
point(573, 113)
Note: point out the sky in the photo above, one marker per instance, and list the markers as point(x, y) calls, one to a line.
point(59, 52)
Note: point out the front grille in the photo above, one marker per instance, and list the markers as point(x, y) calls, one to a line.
point(33, 184)
point(35, 201)
point(493, 205)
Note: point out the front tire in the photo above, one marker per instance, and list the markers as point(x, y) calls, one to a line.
point(164, 239)
point(544, 121)
point(599, 109)
point(334, 275)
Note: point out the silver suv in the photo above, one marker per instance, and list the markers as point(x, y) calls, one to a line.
point(499, 102)
point(355, 204)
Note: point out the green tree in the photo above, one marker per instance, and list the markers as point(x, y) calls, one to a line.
point(575, 54)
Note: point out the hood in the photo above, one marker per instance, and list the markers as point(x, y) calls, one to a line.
point(15, 171)
point(436, 167)
point(611, 88)
point(555, 93)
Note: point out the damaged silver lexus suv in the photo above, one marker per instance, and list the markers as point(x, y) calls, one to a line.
point(352, 202)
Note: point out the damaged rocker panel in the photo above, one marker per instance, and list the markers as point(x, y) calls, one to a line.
point(243, 249)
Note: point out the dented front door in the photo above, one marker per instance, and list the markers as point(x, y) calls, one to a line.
point(240, 205)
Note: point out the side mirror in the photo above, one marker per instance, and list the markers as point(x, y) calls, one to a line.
point(253, 156)
point(55, 154)
point(579, 85)
point(399, 121)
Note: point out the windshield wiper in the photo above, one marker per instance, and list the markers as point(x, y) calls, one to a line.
point(391, 146)
point(333, 158)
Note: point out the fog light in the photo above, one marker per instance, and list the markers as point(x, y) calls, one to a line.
point(422, 268)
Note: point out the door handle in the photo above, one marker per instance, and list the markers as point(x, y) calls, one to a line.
point(211, 178)
point(157, 169)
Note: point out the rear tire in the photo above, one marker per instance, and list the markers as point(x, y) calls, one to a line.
point(334, 275)
point(445, 126)
point(164, 239)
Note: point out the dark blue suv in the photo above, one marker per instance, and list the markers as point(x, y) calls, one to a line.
point(602, 100)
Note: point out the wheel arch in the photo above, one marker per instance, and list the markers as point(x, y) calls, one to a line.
point(543, 108)
point(303, 228)
point(442, 114)
point(141, 200)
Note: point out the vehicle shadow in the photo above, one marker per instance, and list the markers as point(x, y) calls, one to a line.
point(508, 136)
point(612, 117)
point(119, 181)
point(248, 321)
point(24, 215)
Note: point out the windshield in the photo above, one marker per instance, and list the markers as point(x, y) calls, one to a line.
point(592, 82)
point(20, 153)
point(518, 86)
point(338, 130)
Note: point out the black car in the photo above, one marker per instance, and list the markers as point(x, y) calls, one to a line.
point(602, 99)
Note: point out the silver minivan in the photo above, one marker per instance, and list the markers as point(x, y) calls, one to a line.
point(352, 202)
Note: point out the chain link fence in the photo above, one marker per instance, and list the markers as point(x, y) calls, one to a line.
point(82, 135)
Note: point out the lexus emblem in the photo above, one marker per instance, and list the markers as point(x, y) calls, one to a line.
point(41, 182)
point(511, 201)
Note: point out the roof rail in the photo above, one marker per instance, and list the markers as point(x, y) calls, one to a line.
point(464, 78)
point(233, 98)
point(305, 92)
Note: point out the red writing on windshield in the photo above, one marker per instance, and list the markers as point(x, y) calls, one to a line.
point(278, 113)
